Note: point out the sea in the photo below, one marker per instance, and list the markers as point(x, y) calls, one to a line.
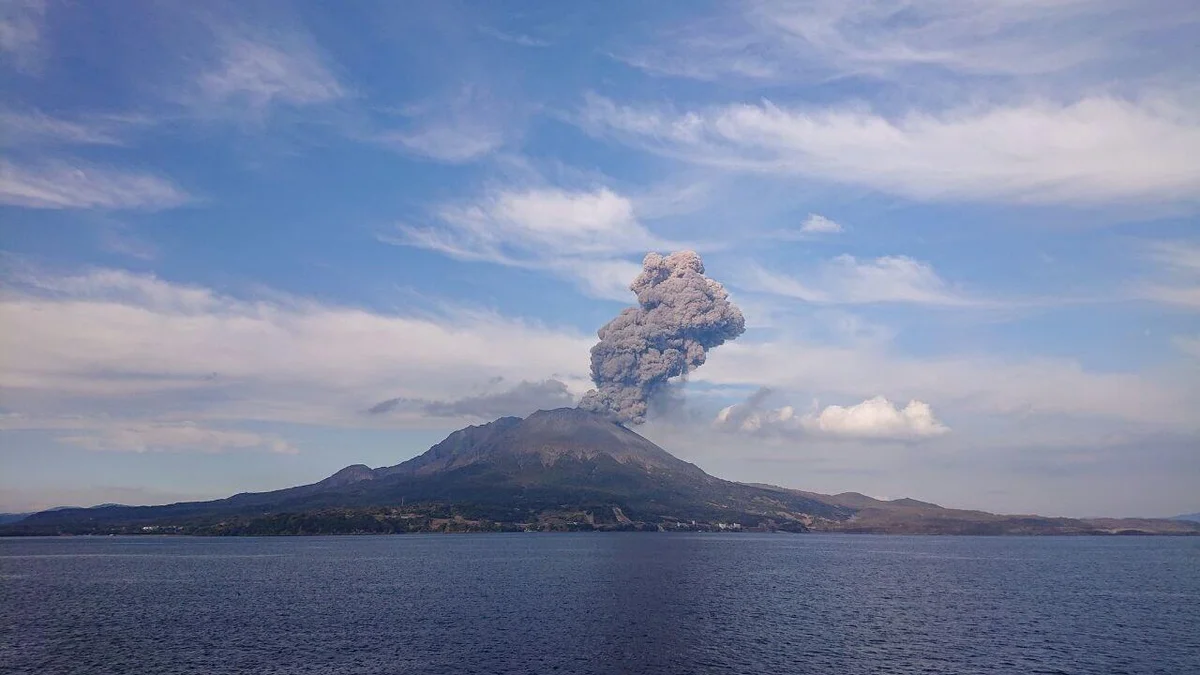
point(600, 603)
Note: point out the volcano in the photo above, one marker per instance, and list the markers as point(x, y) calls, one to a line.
point(563, 469)
point(555, 469)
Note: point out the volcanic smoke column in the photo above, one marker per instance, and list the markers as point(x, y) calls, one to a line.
point(681, 314)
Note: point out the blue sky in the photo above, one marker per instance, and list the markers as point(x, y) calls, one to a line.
point(963, 235)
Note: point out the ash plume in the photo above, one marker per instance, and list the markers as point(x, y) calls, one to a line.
point(681, 314)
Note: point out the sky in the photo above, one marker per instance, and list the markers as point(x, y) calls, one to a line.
point(243, 245)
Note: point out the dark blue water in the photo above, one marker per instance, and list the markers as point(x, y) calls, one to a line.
point(600, 603)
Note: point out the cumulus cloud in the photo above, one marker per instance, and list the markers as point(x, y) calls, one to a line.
point(177, 437)
point(878, 418)
point(519, 400)
point(875, 418)
point(1095, 150)
point(64, 185)
point(579, 234)
point(848, 280)
point(108, 341)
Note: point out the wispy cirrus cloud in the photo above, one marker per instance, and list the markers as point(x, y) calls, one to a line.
point(822, 39)
point(465, 126)
point(33, 127)
point(519, 39)
point(251, 74)
point(850, 281)
point(1096, 150)
point(1178, 274)
point(971, 37)
point(22, 24)
point(450, 143)
point(123, 240)
point(77, 185)
point(1188, 344)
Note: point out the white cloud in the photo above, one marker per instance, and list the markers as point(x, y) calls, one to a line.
point(820, 39)
point(577, 234)
point(123, 240)
point(514, 38)
point(1189, 345)
point(176, 437)
point(63, 185)
point(452, 144)
point(512, 223)
point(254, 75)
point(975, 383)
point(1180, 296)
point(1178, 256)
point(21, 28)
point(35, 127)
point(818, 224)
point(108, 342)
point(975, 37)
point(847, 280)
point(607, 279)
point(875, 418)
point(1178, 267)
point(466, 126)
point(728, 60)
point(1095, 150)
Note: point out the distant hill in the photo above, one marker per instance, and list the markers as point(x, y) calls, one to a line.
point(1190, 517)
point(6, 518)
point(564, 469)
point(910, 516)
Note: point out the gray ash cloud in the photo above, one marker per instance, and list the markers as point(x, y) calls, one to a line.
point(520, 399)
point(680, 315)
